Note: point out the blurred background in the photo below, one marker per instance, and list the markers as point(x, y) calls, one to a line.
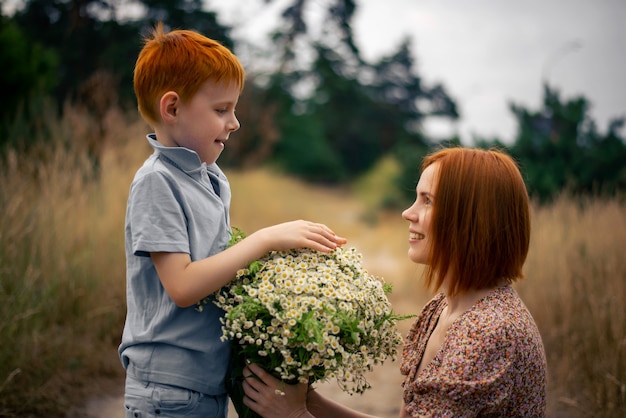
point(343, 98)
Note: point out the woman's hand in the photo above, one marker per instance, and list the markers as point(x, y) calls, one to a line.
point(269, 397)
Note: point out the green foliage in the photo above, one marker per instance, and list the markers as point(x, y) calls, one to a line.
point(349, 120)
point(559, 148)
point(303, 151)
point(357, 112)
point(186, 14)
point(28, 71)
point(236, 235)
point(86, 36)
point(77, 51)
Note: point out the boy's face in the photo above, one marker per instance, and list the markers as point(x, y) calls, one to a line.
point(205, 123)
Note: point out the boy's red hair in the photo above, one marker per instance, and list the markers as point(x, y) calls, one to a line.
point(180, 61)
point(480, 225)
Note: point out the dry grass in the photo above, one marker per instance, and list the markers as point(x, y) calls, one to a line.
point(576, 289)
point(62, 277)
point(61, 274)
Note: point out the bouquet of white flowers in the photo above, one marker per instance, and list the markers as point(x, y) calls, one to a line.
point(308, 316)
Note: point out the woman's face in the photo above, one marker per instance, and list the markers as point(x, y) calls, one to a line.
point(419, 216)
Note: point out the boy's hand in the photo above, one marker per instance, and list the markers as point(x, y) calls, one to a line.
point(301, 234)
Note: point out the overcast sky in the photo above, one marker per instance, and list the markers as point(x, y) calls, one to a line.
point(487, 53)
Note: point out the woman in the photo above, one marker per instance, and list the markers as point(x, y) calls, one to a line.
point(475, 350)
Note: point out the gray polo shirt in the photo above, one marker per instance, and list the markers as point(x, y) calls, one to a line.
point(174, 207)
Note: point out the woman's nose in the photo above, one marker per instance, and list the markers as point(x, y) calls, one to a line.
point(408, 214)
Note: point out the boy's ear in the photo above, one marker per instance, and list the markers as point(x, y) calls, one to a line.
point(168, 106)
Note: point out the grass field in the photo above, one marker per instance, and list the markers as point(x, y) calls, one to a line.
point(62, 272)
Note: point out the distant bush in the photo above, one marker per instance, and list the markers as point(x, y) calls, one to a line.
point(28, 72)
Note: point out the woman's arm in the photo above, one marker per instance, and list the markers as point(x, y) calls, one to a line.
point(403, 411)
point(320, 406)
point(271, 398)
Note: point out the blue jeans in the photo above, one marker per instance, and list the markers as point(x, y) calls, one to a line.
point(155, 400)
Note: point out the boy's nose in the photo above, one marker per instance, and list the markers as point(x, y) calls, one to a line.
point(234, 125)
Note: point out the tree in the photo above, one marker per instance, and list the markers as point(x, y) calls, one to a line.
point(87, 52)
point(28, 71)
point(87, 36)
point(362, 111)
point(325, 114)
point(186, 14)
point(559, 148)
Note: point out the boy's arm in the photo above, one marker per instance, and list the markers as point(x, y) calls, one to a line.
point(187, 282)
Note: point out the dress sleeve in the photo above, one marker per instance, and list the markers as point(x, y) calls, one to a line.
point(470, 375)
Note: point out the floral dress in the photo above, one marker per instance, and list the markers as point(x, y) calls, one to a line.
point(491, 364)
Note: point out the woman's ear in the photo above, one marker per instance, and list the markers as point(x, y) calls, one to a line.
point(168, 106)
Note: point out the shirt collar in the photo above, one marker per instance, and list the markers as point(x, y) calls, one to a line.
point(185, 159)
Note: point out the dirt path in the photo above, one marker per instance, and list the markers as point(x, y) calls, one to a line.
point(382, 400)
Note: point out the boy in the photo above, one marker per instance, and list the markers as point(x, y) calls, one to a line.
point(177, 229)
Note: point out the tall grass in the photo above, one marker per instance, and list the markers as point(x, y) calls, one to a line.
point(576, 289)
point(62, 274)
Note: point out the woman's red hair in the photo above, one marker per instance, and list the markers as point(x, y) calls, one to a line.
point(480, 227)
point(180, 61)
